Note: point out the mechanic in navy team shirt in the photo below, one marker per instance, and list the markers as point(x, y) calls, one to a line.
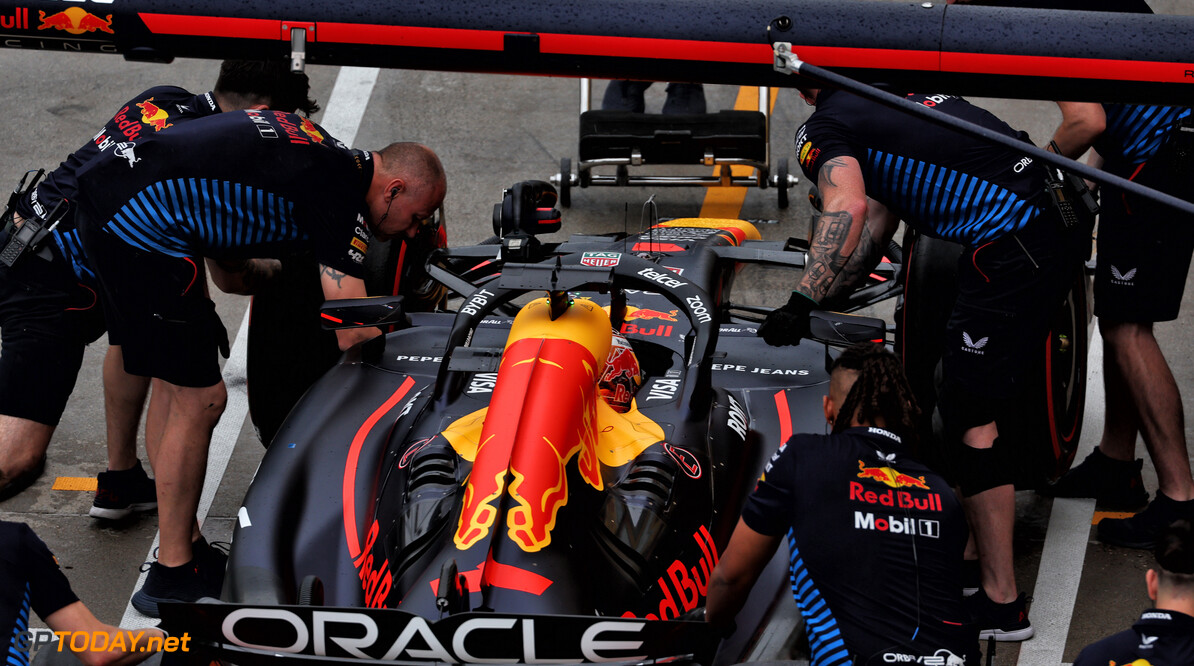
point(875, 166)
point(1143, 259)
point(876, 537)
point(1164, 636)
point(48, 304)
point(31, 580)
point(229, 187)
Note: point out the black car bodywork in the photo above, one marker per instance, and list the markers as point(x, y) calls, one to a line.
point(455, 491)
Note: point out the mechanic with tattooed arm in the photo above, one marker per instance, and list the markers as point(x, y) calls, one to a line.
point(875, 166)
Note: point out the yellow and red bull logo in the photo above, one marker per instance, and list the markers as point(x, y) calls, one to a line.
point(76, 21)
point(528, 445)
point(154, 115)
point(633, 314)
point(310, 129)
point(891, 477)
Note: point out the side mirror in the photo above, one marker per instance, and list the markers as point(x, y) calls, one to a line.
point(836, 328)
point(380, 311)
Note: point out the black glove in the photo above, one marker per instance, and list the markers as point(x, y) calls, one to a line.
point(788, 324)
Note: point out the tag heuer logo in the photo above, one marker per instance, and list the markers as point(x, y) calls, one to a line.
point(600, 259)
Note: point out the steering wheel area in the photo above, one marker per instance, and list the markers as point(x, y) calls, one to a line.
point(568, 274)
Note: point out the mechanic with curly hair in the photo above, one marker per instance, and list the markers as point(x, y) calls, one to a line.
point(49, 310)
point(876, 537)
point(227, 187)
point(875, 166)
point(1164, 635)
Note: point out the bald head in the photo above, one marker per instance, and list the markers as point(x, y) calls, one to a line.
point(414, 162)
point(408, 186)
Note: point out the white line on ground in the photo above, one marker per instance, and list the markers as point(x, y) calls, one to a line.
point(342, 118)
point(350, 96)
point(223, 441)
point(1065, 542)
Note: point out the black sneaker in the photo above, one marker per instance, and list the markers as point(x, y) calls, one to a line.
point(213, 560)
point(972, 577)
point(189, 582)
point(1113, 484)
point(1143, 529)
point(1003, 622)
point(119, 494)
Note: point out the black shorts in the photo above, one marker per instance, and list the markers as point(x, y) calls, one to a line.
point(157, 310)
point(47, 318)
point(1144, 253)
point(1008, 291)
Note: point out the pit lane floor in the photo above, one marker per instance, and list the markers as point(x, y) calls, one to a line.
point(491, 131)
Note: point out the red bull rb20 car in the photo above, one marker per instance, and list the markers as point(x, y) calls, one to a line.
point(462, 490)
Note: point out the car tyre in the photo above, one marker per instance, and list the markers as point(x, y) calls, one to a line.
point(1045, 418)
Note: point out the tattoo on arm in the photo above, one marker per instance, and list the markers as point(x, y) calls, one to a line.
point(826, 173)
point(857, 266)
point(825, 258)
point(334, 274)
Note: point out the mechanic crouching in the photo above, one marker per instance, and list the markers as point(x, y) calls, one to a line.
point(876, 537)
point(1021, 251)
point(228, 187)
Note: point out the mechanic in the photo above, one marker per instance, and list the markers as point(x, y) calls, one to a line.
point(876, 537)
point(228, 186)
point(623, 95)
point(1165, 633)
point(1143, 259)
point(48, 303)
point(1020, 257)
point(288, 349)
point(31, 579)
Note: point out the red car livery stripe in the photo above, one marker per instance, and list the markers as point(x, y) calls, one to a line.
point(785, 416)
point(350, 466)
point(675, 49)
point(212, 26)
point(1072, 68)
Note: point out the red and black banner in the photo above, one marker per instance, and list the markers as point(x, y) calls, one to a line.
point(961, 49)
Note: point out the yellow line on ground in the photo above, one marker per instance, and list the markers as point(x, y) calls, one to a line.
point(75, 483)
point(726, 202)
point(1099, 515)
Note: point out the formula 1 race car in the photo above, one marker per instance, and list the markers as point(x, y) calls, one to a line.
point(546, 475)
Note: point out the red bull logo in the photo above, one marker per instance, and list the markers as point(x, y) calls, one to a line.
point(375, 581)
point(310, 129)
point(895, 498)
point(685, 585)
point(633, 313)
point(18, 21)
point(661, 331)
point(891, 477)
point(76, 21)
point(153, 115)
